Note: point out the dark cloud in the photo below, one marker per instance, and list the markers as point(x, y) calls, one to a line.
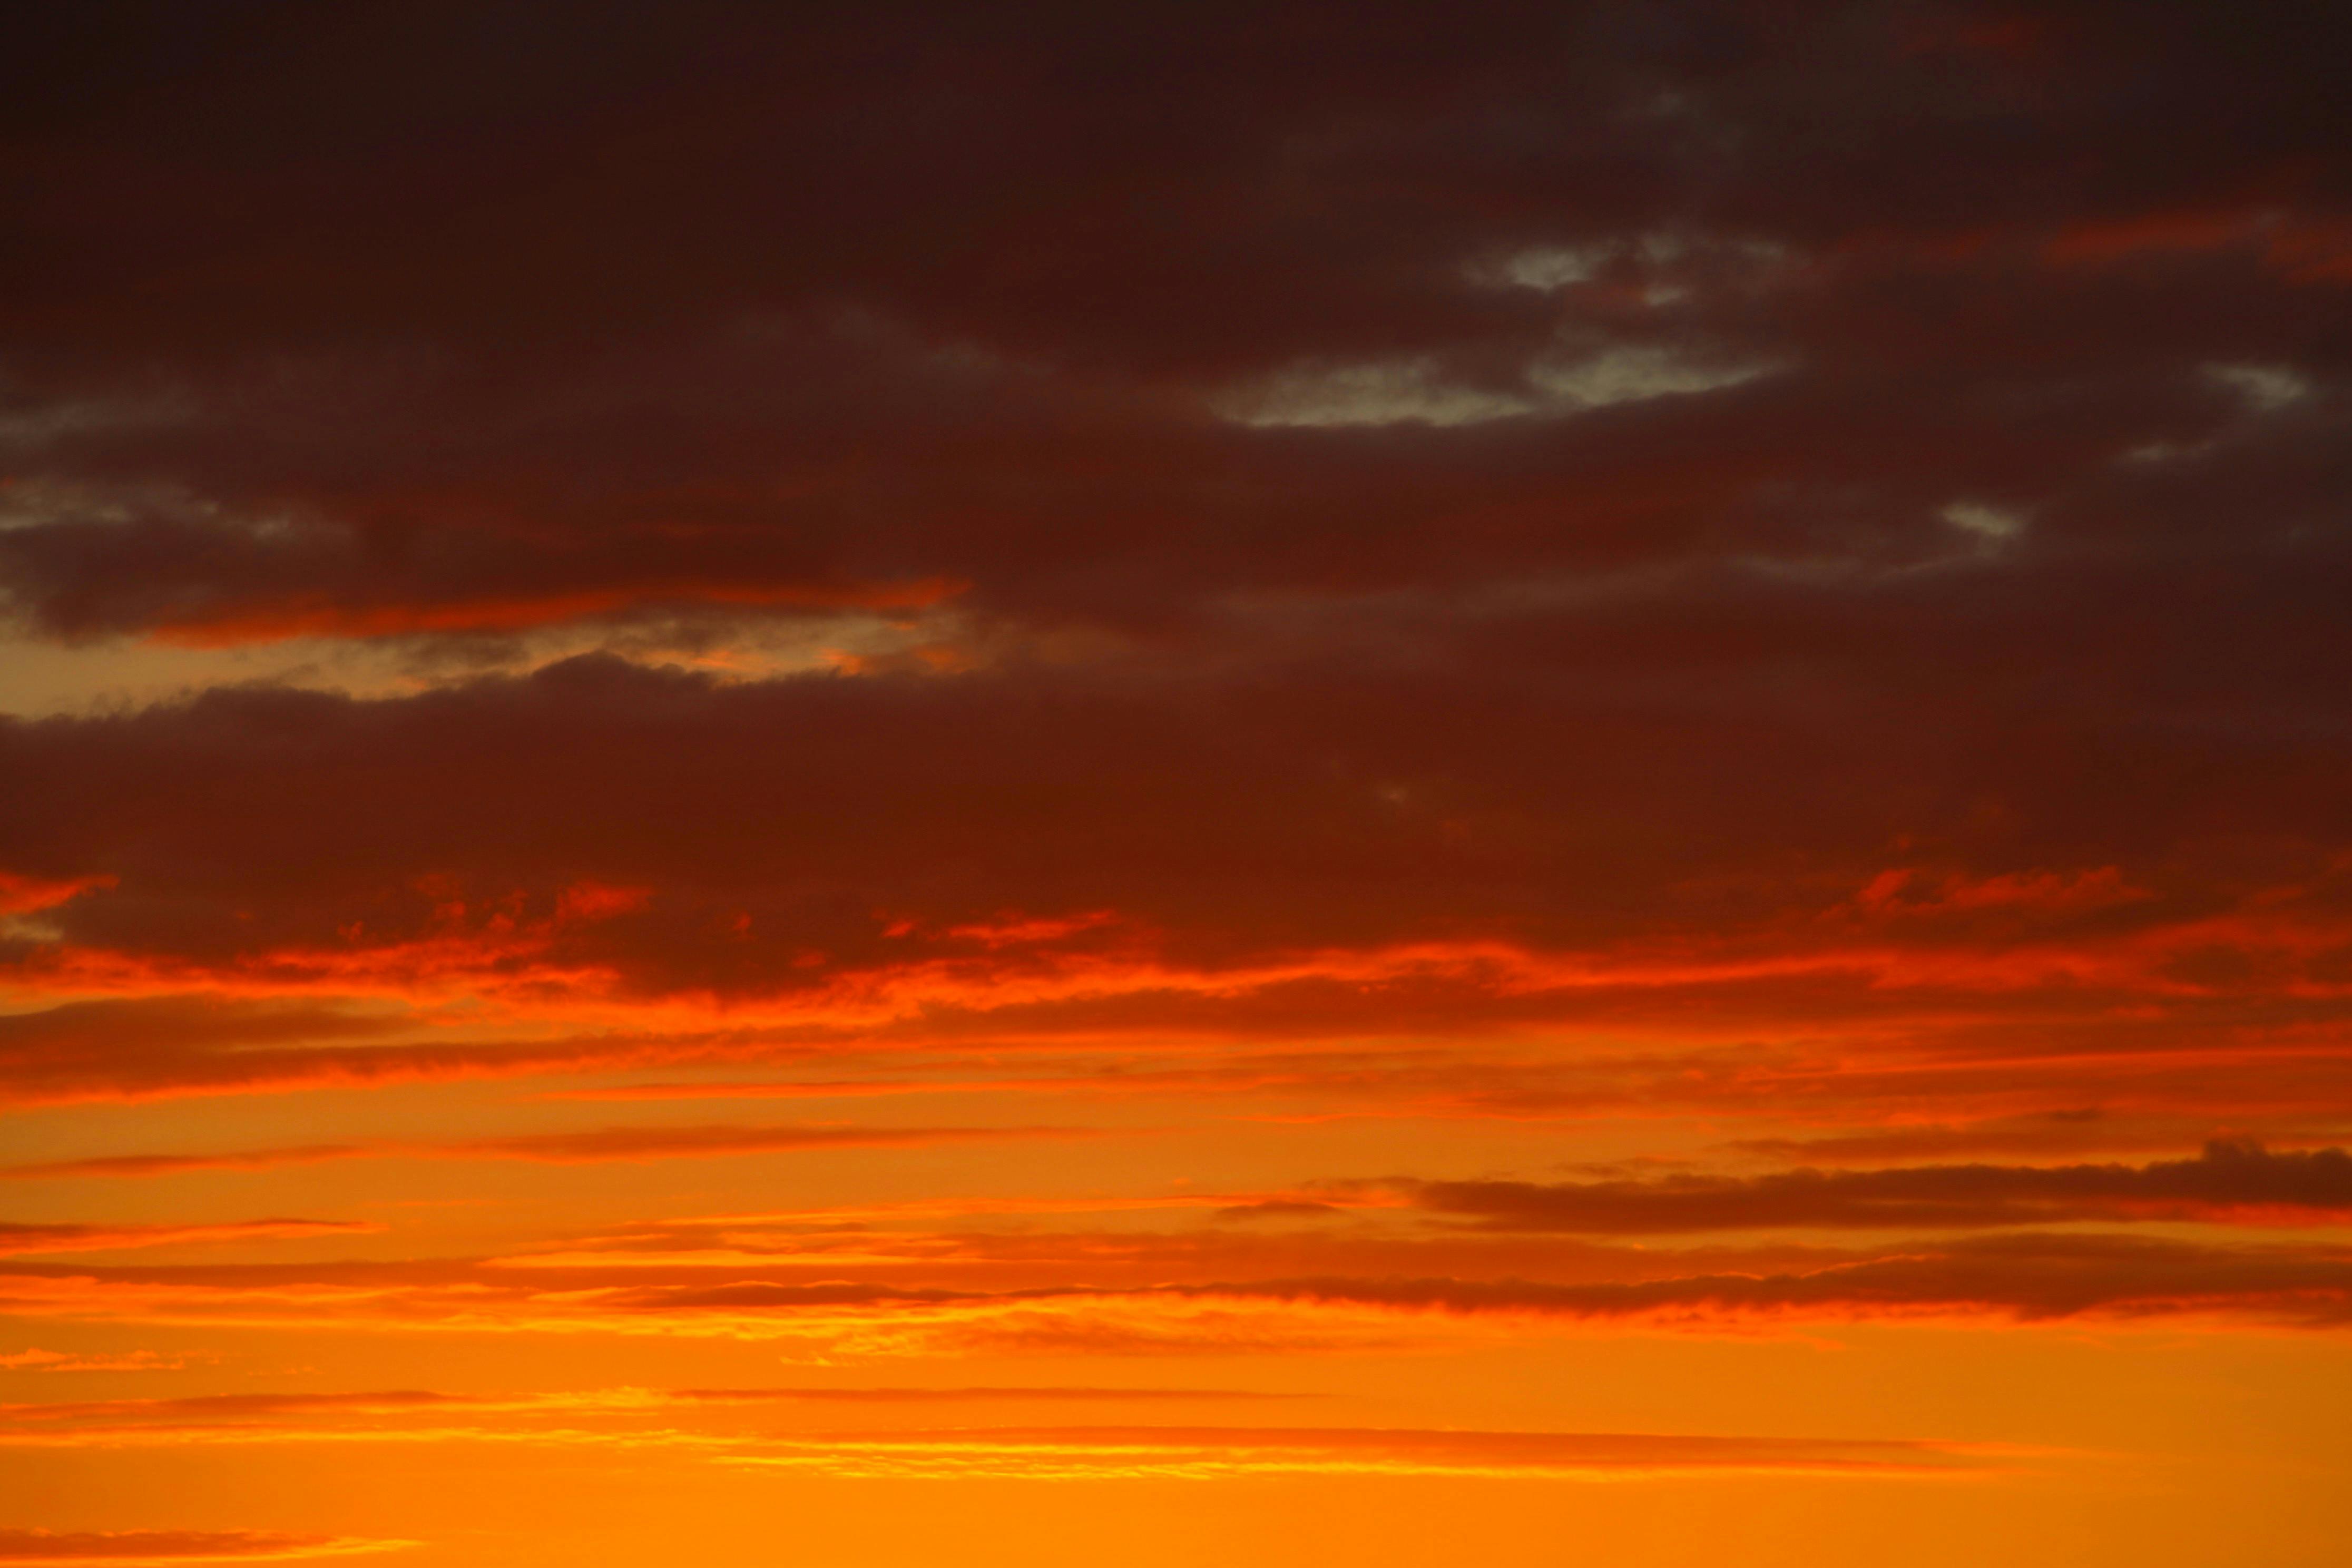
point(1699, 578)
point(419, 321)
point(2227, 1182)
point(1541, 840)
point(1072, 1302)
point(1361, 544)
point(1247, 813)
point(1286, 482)
point(2024, 1278)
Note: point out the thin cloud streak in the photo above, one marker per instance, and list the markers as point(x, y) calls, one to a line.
point(1111, 1453)
point(2229, 1183)
point(2013, 1278)
point(585, 1147)
point(18, 1239)
point(631, 1419)
point(147, 1547)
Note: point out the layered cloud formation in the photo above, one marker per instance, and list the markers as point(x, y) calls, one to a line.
point(1318, 682)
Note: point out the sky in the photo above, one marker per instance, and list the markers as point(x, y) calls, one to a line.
point(1033, 785)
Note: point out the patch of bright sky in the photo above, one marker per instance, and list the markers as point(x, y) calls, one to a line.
point(1632, 376)
point(2265, 388)
point(1412, 391)
point(1390, 391)
point(2260, 389)
point(1546, 267)
point(1993, 525)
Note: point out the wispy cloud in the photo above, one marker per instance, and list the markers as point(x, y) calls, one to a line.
point(129, 1547)
point(18, 1239)
point(2229, 1183)
point(1108, 1453)
point(587, 1146)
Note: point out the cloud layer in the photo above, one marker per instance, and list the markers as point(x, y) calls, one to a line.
point(1330, 687)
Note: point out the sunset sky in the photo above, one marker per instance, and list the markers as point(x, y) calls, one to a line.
point(1043, 785)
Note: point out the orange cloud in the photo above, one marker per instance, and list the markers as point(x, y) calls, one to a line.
point(126, 1548)
point(628, 1418)
point(1373, 1295)
point(21, 895)
point(586, 1146)
point(38, 1360)
point(21, 1239)
point(411, 1413)
point(1107, 1453)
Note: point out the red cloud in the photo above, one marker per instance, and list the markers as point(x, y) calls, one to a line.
point(25, 895)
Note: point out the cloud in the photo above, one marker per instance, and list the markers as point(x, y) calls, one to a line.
point(620, 1418)
point(38, 1360)
point(1240, 1295)
point(26, 895)
point(123, 1048)
point(167, 1546)
point(831, 947)
point(18, 1239)
point(2029, 1278)
point(2229, 1183)
point(389, 420)
point(1728, 574)
point(322, 618)
point(2073, 1130)
point(2265, 388)
point(1109, 1453)
point(588, 1145)
point(1397, 393)
point(896, 1395)
point(412, 1415)
point(1416, 392)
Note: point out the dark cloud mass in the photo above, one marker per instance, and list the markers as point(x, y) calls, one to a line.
point(1544, 563)
point(2023, 543)
point(433, 319)
point(1491, 716)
